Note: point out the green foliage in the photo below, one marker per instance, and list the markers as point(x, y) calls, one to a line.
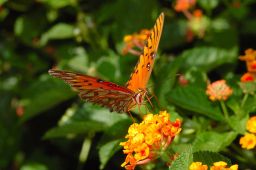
point(44, 124)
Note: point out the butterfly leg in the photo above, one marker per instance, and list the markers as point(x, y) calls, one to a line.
point(133, 120)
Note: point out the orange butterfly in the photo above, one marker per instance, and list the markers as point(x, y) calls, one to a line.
point(118, 98)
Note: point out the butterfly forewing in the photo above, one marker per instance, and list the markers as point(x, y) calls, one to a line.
point(97, 91)
point(140, 76)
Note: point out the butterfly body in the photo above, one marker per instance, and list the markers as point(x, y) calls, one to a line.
point(118, 98)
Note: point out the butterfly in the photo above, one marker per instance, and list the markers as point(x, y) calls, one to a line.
point(107, 94)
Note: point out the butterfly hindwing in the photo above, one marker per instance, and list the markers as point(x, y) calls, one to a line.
point(97, 91)
point(141, 74)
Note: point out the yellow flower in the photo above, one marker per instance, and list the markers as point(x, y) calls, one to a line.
point(251, 124)
point(248, 141)
point(221, 165)
point(218, 90)
point(198, 166)
point(154, 133)
point(183, 5)
point(135, 40)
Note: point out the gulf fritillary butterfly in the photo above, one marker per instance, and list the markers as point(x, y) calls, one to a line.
point(118, 98)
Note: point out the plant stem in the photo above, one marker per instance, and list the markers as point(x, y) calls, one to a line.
point(244, 99)
point(224, 109)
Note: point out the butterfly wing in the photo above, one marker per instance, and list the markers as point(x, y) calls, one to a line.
point(97, 91)
point(140, 76)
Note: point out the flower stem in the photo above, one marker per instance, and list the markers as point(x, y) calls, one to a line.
point(224, 109)
point(244, 99)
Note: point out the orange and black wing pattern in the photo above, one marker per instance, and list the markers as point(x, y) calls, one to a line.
point(97, 91)
point(141, 74)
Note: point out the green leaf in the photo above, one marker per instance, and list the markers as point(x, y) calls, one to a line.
point(208, 158)
point(194, 99)
point(112, 133)
point(34, 166)
point(107, 151)
point(58, 31)
point(45, 93)
point(79, 61)
point(207, 58)
point(85, 148)
point(238, 123)
point(29, 27)
point(166, 78)
point(183, 160)
point(86, 119)
point(213, 141)
point(58, 4)
point(208, 4)
point(75, 128)
point(249, 105)
point(2, 2)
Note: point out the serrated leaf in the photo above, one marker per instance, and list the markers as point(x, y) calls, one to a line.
point(107, 151)
point(209, 158)
point(194, 99)
point(213, 141)
point(183, 160)
point(249, 105)
point(51, 90)
point(207, 58)
point(238, 123)
point(58, 31)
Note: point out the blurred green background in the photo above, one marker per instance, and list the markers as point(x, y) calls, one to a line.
point(44, 124)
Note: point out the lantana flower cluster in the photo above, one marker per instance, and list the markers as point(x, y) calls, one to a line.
point(248, 141)
point(250, 59)
point(197, 22)
point(218, 90)
point(248, 83)
point(146, 139)
point(221, 165)
point(136, 40)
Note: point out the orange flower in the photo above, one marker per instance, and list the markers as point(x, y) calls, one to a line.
point(198, 13)
point(135, 40)
point(250, 55)
point(250, 58)
point(247, 77)
point(248, 141)
point(218, 90)
point(198, 23)
point(183, 5)
point(251, 124)
point(154, 133)
point(198, 166)
point(223, 166)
